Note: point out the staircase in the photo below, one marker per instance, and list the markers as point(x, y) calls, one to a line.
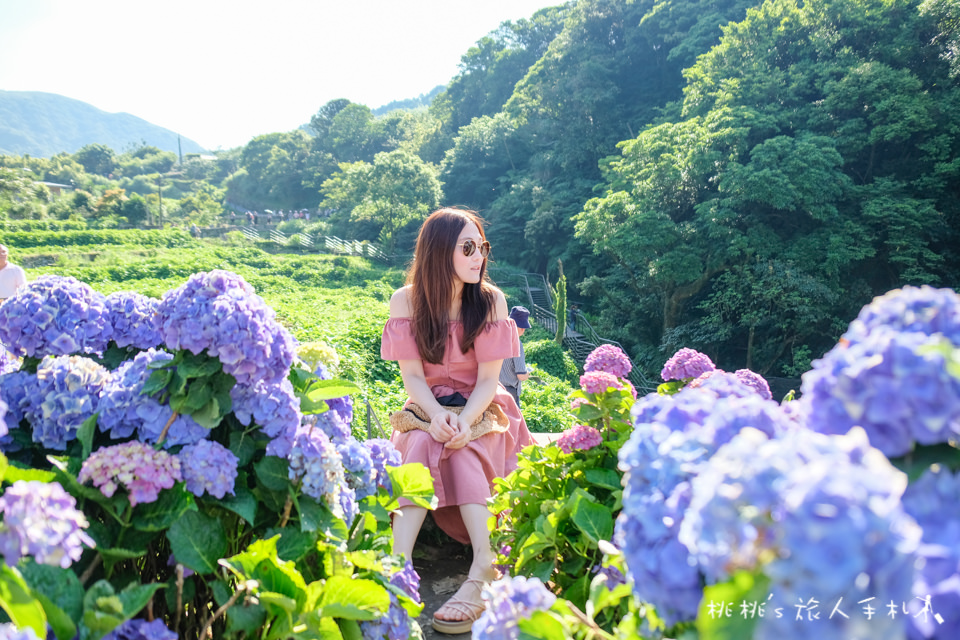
point(579, 338)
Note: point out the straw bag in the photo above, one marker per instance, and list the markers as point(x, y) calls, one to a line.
point(493, 420)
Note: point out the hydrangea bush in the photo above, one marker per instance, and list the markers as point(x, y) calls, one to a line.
point(168, 473)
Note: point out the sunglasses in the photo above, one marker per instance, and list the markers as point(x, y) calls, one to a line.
point(470, 247)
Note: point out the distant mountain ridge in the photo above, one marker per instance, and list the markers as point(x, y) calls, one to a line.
point(45, 124)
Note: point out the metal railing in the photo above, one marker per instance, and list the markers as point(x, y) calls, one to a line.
point(372, 419)
point(580, 338)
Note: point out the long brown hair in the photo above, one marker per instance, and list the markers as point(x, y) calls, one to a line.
point(431, 279)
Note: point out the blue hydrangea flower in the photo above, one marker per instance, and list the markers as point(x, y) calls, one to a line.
point(41, 520)
point(336, 423)
point(316, 464)
point(358, 465)
point(219, 313)
point(674, 436)
point(820, 515)
point(508, 601)
point(124, 410)
point(137, 629)
point(208, 467)
point(14, 389)
point(8, 362)
point(891, 383)
point(3, 419)
point(54, 315)
point(274, 407)
point(133, 317)
point(67, 393)
point(383, 454)
point(934, 502)
point(395, 625)
point(924, 310)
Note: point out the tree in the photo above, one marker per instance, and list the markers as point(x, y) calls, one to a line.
point(135, 210)
point(96, 158)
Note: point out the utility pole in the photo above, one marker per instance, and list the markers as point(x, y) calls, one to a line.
point(160, 197)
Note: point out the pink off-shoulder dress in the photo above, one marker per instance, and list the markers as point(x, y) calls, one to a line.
point(457, 473)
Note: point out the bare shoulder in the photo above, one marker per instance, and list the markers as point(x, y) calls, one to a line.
point(400, 303)
point(499, 311)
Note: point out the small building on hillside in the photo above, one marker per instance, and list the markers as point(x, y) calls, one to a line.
point(55, 187)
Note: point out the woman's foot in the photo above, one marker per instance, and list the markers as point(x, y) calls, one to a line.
point(458, 614)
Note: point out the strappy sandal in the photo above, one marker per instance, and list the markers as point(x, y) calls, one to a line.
point(472, 611)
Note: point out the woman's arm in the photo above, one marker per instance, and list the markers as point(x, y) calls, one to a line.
point(443, 423)
point(488, 377)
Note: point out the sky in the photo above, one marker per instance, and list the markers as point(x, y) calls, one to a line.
point(223, 71)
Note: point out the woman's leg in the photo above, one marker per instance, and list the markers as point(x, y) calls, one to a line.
point(475, 517)
point(406, 528)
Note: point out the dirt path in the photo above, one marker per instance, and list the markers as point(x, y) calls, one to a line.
point(442, 564)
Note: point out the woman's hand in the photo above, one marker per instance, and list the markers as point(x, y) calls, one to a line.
point(462, 437)
point(443, 426)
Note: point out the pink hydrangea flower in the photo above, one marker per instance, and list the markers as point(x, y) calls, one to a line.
point(576, 402)
point(599, 381)
point(685, 364)
point(138, 467)
point(609, 358)
point(579, 437)
point(755, 381)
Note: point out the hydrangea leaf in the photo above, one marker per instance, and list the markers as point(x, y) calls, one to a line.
point(61, 623)
point(272, 472)
point(742, 587)
point(61, 586)
point(606, 478)
point(14, 472)
point(246, 619)
point(198, 541)
point(330, 389)
point(135, 598)
point(316, 516)
point(413, 482)
point(85, 435)
point(293, 544)
point(593, 520)
point(541, 625)
point(16, 599)
point(158, 380)
point(243, 502)
point(345, 597)
point(170, 507)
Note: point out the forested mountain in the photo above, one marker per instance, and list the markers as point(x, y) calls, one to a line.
point(45, 124)
point(423, 100)
point(735, 176)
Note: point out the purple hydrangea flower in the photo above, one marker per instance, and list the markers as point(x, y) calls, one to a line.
point(137, 629)
point(274, 407)
point(341, 408)
point(686, 364)
point(67, 393)
point(316, 464)
point(383, 454)
point(9, 631)
point(408, 581)
point(133, 317)
point(3, 419)
point(599, 382)
point(509, 600)
point(138, 467)
point(934, 502)
point(609, 358)
point(755, 381)
point(893, 384)
point(219, 313)
point(816, 514)
point(208, 467)
point(125, 410)
point(395, 625)
point(579, 437)
point(613, 576)
point(54, 315)
point(41, 520)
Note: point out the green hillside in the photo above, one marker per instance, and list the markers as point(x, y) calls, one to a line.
point(44, 124)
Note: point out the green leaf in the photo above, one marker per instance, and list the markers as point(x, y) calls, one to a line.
point(293, 544)
point(208, 416)
point(243, 503)
point(588, 412)
point(272, 472)
point(165, 510)
point(157, 382)
point(535, 543)
point(330, 389)
point(114, 555)
point(198, 396)
point(413, 482)
point(354, 599)
point(245, 618)
point(14, 472)
point(198, 541)
point(59, 620)
point(136, 597)
point(197, 365)
point(17, 600)
point(316, 516)
point(61, 586)
point(85, 435)
point(594, 520)
point(606, 478)
point(543, 626)
point(712, 621)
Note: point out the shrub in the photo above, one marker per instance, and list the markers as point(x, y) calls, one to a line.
point(551, 357)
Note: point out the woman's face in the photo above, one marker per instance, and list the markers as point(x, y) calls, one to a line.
point(466, 269)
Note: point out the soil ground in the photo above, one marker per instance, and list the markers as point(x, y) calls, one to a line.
point(442, 563)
